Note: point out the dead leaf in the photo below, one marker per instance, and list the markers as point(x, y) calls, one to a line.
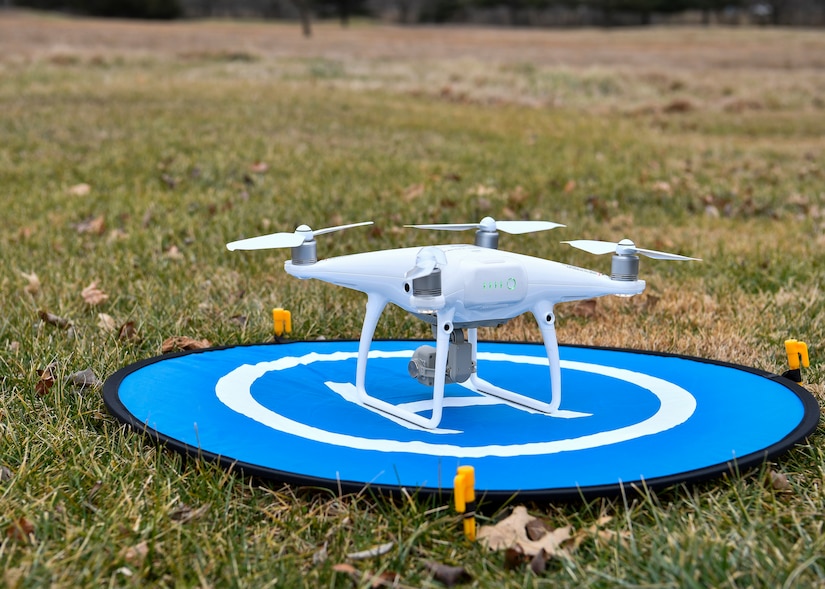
point(46, 380)
point(93, 296)
point(105, 322)
point(84, 378)
point(182, 342)
point(5, 474)
point(512, 531)
point(33, 286)
point(184, 514)
point(663, 187)
point(538, 564)
point(81, 189)
point(21, 530)
point(52, 319)
point(536, 529)
point(412, 192)
point(570, 186)
point(128, 332)
point(173, 253)
point(259, 167)
point(513, 558)
point(778, 481)
point(448, 575)
point(135, 555)
point(92, 225)
point(240, 320)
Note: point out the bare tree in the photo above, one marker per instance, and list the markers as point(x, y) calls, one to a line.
point(304, 9)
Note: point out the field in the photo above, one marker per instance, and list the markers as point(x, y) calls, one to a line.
point(130, 153)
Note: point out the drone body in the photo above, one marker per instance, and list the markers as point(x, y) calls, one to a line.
point(482, 287)
point(457, 287)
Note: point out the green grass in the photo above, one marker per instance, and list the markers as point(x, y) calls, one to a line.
point(166, 146)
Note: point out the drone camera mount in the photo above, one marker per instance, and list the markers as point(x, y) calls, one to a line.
point(460, 365)
point(624, 267)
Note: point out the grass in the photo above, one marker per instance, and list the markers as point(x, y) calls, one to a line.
point(722, 162)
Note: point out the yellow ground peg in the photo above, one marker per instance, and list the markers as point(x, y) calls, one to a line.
point(281, 321)
point(465, 499)
point(797, 357)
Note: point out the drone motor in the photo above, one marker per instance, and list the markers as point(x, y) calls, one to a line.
point(624, 267)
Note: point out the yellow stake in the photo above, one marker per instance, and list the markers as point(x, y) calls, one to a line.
point(282, 321)
point(465, 499)
point(797, 356)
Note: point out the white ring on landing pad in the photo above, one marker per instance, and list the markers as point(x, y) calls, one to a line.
point(676, 406)
point(287, 412)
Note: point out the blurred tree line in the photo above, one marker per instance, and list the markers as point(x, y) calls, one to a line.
point(148, 9)
point(505, 12)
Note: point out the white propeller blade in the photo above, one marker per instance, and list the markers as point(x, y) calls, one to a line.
point(519, 227)
point(490, 224)
point(264, 242)
point(281, 240)
point(340, 227)
point(624, 247)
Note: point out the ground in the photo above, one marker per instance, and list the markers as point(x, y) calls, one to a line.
point(133, 151)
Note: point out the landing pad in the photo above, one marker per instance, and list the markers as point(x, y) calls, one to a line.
point(288, 412)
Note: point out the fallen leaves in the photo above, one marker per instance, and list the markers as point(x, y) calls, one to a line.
point(529, 540)
point(512, 531)
point(81, 189)
point(779, 482)
point(21, 530)
point(93, 296)
point(183, 513)
point(92, 225)
point(449, 575)
point(135, 555)
point(33, 286)
point(183, 343)
point(55, 320)
point(46, 379)
point(48, 376)
point(84, 378)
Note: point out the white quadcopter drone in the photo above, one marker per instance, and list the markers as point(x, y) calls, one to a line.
point(457, 287)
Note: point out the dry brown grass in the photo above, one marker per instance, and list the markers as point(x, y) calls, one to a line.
point(681, 69)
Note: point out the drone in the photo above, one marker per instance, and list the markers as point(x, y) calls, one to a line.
point(458, 287)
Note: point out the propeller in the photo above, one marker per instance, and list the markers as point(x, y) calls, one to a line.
point(490, 225)
point(425, 262)
point(280, 240)
point(623, 248)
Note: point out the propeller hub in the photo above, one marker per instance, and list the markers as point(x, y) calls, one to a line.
point(487, 224)
point(626, 248)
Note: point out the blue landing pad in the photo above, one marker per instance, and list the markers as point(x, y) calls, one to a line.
point(288, 412)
